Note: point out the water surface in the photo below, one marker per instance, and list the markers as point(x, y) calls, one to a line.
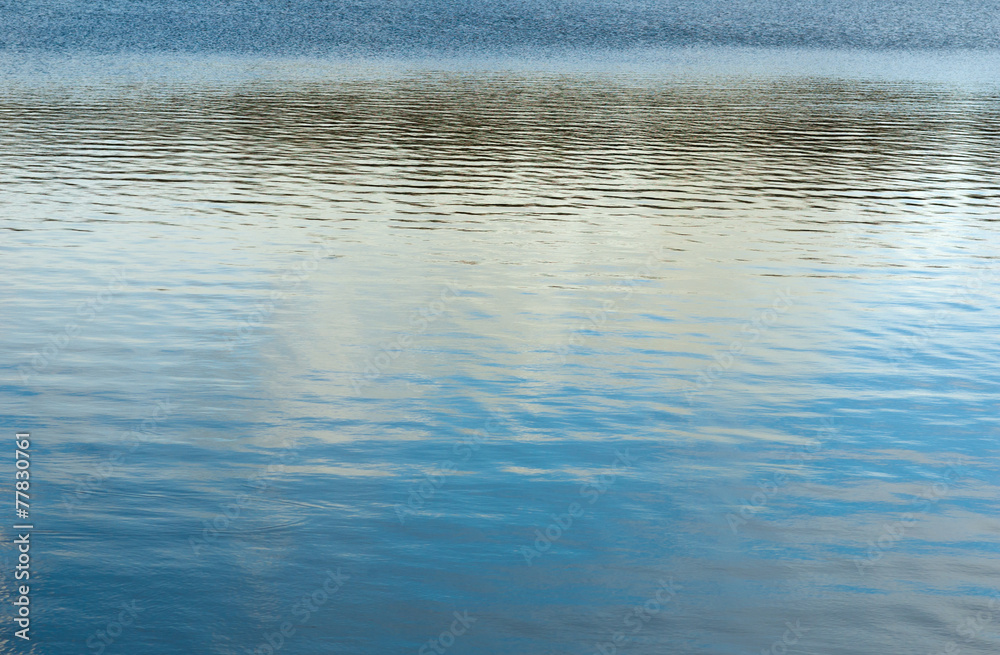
point(442, 303)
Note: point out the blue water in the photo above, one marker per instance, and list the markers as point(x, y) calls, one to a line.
point(373, 26)
point(693, 352)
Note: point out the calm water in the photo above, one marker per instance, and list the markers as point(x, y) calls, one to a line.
point(353, 26)
point(731, 331)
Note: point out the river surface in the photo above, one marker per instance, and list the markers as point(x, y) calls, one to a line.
point(694, 352)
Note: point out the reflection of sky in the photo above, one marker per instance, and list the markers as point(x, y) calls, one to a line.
point(523, 191)
point(94, 71)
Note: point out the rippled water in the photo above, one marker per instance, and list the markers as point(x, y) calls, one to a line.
point(729, 331)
